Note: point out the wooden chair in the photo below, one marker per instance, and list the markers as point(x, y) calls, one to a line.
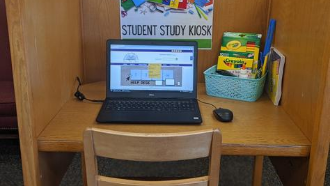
point(152, 148)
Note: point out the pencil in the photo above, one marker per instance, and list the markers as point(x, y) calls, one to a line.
point(197, 11)
point(264, 66)
point(202, 13)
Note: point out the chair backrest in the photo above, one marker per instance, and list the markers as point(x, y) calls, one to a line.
point(155, 147)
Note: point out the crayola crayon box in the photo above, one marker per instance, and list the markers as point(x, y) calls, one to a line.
point(242, 42)
point(234, 61)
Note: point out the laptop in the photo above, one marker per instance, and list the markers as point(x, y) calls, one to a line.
point(151, 82)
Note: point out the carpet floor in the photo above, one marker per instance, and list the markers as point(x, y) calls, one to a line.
point(235, 170)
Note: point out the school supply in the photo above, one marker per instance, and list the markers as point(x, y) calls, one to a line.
point(233, 87)
point(138, 2)
point(207, 9)
point(166, 2)
point(234, 61)
point(128, 4)
point(174, 4)
point(155, 7)
point(183, 4)
point(156, 1)
point(264, 66)
point(269, 39)
point(201, 13)
point(242, 42)
point(201, 2)
point(225, 73)
point(180, 11)
point(243, 73)
point(275, 75)
point(210, 2)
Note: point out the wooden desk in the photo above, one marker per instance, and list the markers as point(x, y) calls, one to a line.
point(258, 129)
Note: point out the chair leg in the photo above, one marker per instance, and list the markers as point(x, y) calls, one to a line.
point(257, 172)
point(83, 169)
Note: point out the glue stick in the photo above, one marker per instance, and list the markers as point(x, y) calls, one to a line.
point(243, 73)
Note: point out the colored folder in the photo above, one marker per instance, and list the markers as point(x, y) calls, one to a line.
point(166, 2)
point(156, 1)
point(209, 3)
point(201, 3)
point(138, 2)
point(174, 3)
point(183, 4)
point(128, 4)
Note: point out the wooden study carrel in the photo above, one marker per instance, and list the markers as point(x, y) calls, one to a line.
point(54, 41)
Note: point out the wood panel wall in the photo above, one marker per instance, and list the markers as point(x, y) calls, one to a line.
point(301, 34)
point(53, 39)
point(321, 139)
point(46, 50)
point(321, 128)
point(101, 21)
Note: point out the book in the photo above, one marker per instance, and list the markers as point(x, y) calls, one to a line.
point(156, 1)
point(210, 2)
point(275, 75)
point(201, 3)
point(138, 2)
point(174, 4)
point(183, 4)
point(166, 2)
point(128, 4)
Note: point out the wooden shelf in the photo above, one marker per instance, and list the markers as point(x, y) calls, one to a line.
point(258, 128)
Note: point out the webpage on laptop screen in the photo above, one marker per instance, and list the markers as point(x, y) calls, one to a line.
point(151, 67)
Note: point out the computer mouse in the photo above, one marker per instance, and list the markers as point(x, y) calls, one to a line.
point(223, 115)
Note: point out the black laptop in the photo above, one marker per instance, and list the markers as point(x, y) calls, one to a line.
point(151, 82)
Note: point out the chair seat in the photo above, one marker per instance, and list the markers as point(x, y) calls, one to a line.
point(7, 99)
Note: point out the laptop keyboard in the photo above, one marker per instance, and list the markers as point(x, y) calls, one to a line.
point(151, 105)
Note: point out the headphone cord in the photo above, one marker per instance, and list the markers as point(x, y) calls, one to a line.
point(80, 96)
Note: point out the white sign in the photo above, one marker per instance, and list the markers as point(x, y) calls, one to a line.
point(168, 20)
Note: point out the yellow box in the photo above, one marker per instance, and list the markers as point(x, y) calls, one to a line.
point(233, 64)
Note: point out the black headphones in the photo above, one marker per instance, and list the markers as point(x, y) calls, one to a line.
point(80, 96)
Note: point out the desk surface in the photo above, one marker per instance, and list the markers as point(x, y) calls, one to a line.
point(258, 128)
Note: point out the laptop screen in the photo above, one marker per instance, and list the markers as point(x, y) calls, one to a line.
point(151, 67)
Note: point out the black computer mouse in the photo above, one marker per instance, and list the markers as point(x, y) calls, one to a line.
point(223, 115)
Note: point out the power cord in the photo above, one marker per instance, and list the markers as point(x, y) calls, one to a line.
point(207, 103)
point(80, 96)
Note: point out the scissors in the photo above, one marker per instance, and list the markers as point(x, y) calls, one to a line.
point(153, 7)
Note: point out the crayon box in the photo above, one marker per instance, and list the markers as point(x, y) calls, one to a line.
point(242, 42)
point(234, 61)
